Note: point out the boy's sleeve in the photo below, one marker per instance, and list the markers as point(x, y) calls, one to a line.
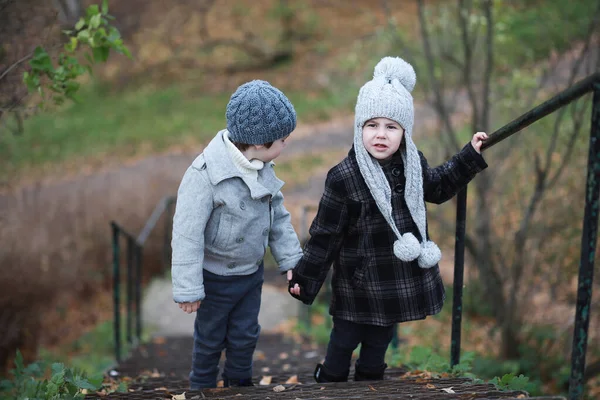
point(326, 235)
point(283, 240)
point(194, 206)
point(442, 183)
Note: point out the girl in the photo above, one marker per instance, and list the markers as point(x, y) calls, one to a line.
point(372, 225)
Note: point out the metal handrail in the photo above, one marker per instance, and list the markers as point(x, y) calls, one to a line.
point(135, 247)
point(590, 226)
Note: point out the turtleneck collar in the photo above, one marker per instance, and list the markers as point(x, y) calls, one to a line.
point(245, 166)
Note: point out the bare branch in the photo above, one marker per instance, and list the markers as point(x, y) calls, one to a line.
point(489, 65)
point(16, 64)
point(467, 72)
point(439, 104)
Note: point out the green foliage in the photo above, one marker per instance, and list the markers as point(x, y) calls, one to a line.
point(511, 382)
point(63, 382)
point(423, 358)
point(527, 32)
point(93, 32)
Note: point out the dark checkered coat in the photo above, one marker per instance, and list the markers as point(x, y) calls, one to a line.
point(370, 285)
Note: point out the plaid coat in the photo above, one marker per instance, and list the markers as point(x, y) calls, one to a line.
point(370, 285)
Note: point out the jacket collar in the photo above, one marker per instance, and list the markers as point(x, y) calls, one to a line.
point(220, 167)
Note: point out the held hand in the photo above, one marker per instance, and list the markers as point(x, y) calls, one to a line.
point(295, 289)
point(478, 140)
point(190, 307)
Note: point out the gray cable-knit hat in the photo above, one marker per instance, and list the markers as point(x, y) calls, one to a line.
point(388, 95)
point(258, 113)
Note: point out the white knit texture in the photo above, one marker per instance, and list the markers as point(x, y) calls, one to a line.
point(245, 166)
point(388, 95)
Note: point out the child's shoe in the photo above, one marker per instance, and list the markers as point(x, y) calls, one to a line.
point(237, 382)
point(322, 375)
point(361, 374)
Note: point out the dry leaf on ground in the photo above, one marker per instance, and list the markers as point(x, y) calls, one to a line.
point(266, 380)
point(448, 390)
point(292, 379)
point(372, 388)
point(430, 386)
point(179, 396)
point(279, 388)
point(159, 340)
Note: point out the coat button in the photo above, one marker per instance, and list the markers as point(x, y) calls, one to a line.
point(265, 232)
point(231, 265)
point(239, 240)
point(242, 205)
point(396, 172)
point(399, 188)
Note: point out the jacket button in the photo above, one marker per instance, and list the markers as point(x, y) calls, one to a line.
point(242, 205)
point(396, 172)
point(265, 232)
point(398, 188)
point(231, 265)
point(239, 240)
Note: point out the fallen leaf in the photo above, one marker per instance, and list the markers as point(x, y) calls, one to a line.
point(178, 396)
point(283, 356)
point(293, 379)
point(286, 367)
point(266, 380)
point(430, 386)
point(448, 390)
point(322, 388)
point(372, 388)
point(521, 396)
point(279, 388)
point(259, 355)
point(159, 340)
point(266, 369)
point(161, 388)
point(220, 384)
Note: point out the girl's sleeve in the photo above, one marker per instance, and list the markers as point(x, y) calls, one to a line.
point(326, 235)
point(194, 206)
point(442, 183)
point(283, 240)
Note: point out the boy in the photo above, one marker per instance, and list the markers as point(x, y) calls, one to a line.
point(229, 209)
point(372, 225)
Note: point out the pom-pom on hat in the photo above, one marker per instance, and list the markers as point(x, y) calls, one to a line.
point(388, 95)
point(258, 113)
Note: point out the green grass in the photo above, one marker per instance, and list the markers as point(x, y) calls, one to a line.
point(93, 352)
point(130, 123)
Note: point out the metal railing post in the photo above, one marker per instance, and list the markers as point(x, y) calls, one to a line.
point(138, 291)
point(459, 264)
point(116, 289)
point(588, 252)
point(129, 287)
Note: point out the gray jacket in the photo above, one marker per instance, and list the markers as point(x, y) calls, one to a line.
point(224, 222)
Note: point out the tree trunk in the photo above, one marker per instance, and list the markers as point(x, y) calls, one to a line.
point(69, 11)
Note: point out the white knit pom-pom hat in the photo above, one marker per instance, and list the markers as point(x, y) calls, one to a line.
point(388, 95)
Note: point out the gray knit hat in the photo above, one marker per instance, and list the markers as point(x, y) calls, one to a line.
point(388, 95)
point(258, 113)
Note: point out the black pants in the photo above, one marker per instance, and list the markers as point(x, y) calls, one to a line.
point(345, 338)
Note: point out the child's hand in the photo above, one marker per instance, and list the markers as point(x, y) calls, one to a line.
point(295, 289)
point(190, 307)
point(478, 140)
